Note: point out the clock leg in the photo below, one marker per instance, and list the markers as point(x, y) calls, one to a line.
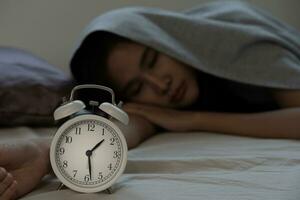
point(60, 187)
point(109, 190)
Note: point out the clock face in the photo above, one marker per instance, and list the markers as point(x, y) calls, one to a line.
point(88, 153)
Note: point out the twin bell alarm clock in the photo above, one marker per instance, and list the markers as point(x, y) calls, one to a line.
point(88, 152)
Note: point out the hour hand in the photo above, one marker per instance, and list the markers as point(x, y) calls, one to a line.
point(97, 145)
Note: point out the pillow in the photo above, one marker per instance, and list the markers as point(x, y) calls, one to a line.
point(30, 88)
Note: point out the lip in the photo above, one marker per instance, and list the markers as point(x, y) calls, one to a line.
point(178, 94)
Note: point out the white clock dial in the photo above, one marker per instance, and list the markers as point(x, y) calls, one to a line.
point(89, 153)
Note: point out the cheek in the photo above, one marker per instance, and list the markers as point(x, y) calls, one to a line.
point(193, 92)
point(148, 96)
point(144, 96)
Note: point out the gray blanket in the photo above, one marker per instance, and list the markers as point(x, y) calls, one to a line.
point(232, 40)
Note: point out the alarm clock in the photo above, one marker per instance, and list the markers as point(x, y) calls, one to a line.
point(88, 152)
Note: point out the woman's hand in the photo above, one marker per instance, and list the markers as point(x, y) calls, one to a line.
point(170, 119)
point(23, 163)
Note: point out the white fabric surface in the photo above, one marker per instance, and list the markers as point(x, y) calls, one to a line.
point(192, 166)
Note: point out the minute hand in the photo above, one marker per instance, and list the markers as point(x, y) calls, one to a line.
point(97, 145)
point(90, 167)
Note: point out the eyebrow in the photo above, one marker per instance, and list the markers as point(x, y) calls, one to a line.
point(141, 65)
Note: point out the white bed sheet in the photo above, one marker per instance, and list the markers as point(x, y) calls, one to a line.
point(192, 166)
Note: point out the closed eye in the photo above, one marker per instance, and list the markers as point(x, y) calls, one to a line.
point(147, 61)
point(149, 58)
point(153, 59)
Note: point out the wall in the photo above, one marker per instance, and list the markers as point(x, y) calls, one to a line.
point(50, 28)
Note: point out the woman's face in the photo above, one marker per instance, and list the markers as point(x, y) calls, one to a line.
point(144, 75)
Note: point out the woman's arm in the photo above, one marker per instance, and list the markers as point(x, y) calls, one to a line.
point(138, 130)
point(283, 123)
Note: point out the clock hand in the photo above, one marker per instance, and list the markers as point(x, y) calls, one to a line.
point(89, 153)
point(97, 145)
point(90, 168)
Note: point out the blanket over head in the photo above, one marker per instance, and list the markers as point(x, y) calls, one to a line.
point(232, 40)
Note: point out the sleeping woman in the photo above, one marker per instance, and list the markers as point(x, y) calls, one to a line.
point(222, 67)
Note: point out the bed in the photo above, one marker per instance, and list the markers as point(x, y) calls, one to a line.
point(191, 165)
point(188, 165)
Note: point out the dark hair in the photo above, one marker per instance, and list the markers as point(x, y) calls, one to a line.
point(89, 63)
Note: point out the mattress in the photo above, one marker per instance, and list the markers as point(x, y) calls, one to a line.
point(191, 165)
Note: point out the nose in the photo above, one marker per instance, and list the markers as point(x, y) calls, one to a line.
point(160, 84)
